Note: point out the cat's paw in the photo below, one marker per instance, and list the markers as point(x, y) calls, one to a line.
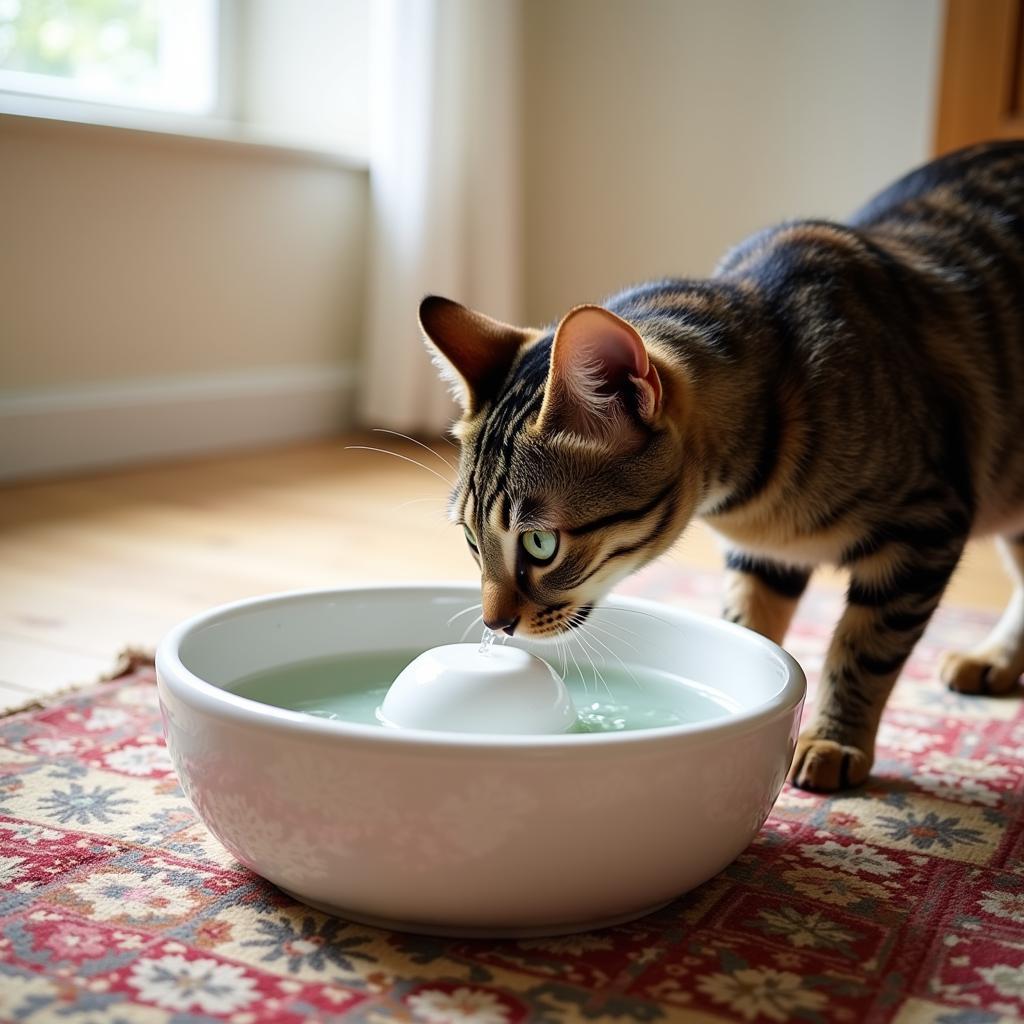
point(969, 673)
point(825, 765)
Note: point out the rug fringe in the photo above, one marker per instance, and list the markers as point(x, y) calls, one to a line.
point(129, 660)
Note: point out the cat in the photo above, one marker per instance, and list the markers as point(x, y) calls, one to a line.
point(842, 393)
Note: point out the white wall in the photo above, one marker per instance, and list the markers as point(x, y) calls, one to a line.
point(659, 132)
point(304, 71)
point(213, 294)
point(140, 271)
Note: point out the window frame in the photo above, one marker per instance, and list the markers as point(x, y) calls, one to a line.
point(213, 95)
point(229, 125)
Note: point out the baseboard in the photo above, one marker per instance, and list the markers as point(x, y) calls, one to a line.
point(94, 426)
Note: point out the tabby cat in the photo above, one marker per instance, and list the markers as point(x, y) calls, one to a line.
point(835, 393)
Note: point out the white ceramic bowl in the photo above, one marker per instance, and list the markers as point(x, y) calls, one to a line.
point(461, 834)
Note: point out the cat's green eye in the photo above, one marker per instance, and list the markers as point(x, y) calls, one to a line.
point(470, 537)
point(540, 545)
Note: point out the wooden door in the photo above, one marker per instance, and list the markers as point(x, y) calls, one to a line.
point(981, 94)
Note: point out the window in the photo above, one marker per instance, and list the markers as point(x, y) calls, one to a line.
point(155, 54)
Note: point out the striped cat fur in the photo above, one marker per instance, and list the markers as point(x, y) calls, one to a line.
point(843, 393)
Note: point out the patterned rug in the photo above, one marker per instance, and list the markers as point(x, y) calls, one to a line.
point(902, 901)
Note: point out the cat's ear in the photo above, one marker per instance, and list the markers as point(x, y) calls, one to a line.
point(475, 351)
point(601, 379)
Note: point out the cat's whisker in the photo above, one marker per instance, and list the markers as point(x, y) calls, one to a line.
point(591, 631)
point(561, 675)
point(638, 611)
point(585, 655)
point(425, 447)
point(607, 632)
point(558, 650)
point(465, 611)
point(475, 622)
point(404, 458)
point(577, 620)
point(589, 651)
point(579, 671)
point(597, 640)
point(597, 658)
point(420, 501)
point(609, 624)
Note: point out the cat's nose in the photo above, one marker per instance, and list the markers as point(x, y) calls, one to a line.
point(505, 625)
point(500, 606)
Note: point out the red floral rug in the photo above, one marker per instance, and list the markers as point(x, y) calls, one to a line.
point(902, 901)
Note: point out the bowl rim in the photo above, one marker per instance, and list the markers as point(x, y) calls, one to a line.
point(173, 675)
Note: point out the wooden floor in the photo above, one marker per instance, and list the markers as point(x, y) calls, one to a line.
point(93, 563)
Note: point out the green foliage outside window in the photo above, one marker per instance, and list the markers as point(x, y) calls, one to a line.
point(106, 42)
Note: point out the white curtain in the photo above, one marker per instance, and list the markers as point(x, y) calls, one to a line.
point(445, 188)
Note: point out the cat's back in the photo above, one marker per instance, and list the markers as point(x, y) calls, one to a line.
point(954, 232)
point(915, 307)
point(957, 224)
point(979, 183)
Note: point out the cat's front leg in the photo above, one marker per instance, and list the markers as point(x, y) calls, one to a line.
point(762, 594)
point(889, 603)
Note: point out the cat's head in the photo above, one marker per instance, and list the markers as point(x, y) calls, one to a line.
point(571, 474)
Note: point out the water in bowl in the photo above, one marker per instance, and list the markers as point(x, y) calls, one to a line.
point(351, 687)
